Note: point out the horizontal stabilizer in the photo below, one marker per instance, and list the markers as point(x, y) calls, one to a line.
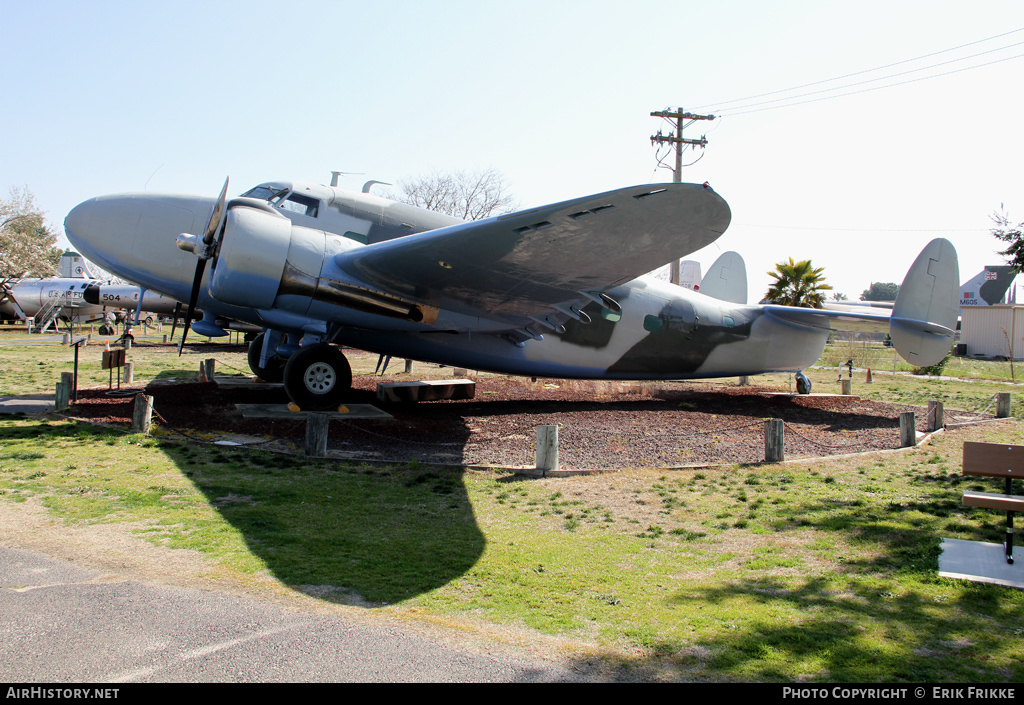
point(924, 315)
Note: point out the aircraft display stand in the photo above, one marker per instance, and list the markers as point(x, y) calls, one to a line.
point(280, 411)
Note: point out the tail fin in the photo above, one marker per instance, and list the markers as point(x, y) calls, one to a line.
point(727, 279)
point(689, 274)
point(924, 316)
point(988, 286)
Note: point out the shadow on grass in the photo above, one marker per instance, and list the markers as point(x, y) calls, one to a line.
point(861, 634)
point(356, 534)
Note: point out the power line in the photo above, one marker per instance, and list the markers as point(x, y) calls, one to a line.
point(877, 88)
point(881, 78)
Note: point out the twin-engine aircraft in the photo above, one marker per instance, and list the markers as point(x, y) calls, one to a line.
point(555, 291)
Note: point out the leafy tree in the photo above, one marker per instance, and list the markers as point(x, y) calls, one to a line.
point(839, 296)
point(880, 291)
point(797, 284)
point(1009, 232)
point(26, 243)
point(470, 195)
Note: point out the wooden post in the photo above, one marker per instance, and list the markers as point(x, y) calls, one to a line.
point(129, 372)
point(847, 387)
point(317, 423)
point(1003, 405)
point(127, 344)
point(547, 448)
point(408, 367)
point(744, 381)
point(936, 415)
point(908, 429)
point(774, 441)
point(210, 364)
point(142, 413)
point(165, 338)
point(62, 395)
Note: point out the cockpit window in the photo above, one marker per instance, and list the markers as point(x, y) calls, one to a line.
point(265, 193)
point(303, 205)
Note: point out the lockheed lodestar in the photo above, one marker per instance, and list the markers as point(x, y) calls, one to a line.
point(557, 291)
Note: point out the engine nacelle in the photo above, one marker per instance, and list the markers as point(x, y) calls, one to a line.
point(252, 257)
point(265, 261)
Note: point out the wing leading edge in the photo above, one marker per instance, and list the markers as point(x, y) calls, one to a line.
point(548, 261)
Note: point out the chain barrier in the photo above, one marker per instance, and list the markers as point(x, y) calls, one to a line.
point(792, 430)
point(681, 434)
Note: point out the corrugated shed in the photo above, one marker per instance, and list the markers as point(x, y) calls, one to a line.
point(993, 331)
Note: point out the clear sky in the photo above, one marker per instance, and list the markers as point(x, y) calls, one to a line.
point(104, 97)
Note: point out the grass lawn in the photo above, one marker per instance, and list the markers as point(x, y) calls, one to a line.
point(813, 571)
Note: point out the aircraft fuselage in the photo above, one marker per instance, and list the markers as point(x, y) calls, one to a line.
point(660, 331)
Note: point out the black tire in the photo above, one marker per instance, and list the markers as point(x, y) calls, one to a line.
point(803, 385)
point(317, 377)
point(274, 371)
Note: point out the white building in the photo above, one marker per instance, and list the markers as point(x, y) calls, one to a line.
point(993, 331)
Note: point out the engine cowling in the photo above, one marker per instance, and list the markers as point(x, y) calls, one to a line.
point(252, 257)
point(265, 261)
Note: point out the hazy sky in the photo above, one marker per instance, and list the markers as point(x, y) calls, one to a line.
point(104, 97)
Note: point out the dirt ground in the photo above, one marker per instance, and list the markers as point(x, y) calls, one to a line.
point(602, 424)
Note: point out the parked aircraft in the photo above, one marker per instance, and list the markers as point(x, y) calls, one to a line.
point(988, 286)
point(79, 294)
point(554, 291)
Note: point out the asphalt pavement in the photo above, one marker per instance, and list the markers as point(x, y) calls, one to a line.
point(58, 624)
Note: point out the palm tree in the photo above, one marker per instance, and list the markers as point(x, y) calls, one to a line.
point(797, 284)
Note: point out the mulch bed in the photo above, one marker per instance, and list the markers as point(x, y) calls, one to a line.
point(603, 425)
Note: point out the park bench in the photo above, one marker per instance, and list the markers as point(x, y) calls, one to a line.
point(997, 460)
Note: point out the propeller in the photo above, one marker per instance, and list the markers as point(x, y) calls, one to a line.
point(174, 322)
point(204, 250)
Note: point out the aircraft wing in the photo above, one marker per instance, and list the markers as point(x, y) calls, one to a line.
point(542, 261)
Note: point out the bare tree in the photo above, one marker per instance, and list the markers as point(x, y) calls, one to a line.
point(26, 243)
point(470, 195)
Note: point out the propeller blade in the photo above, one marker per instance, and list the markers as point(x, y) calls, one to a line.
point(192, 300)
point(217, 217)
point(174, 321)
point(204, 254)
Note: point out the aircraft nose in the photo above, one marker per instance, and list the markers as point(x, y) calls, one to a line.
point(103, 224)
point(133, 235)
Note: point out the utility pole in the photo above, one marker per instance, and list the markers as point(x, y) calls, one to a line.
point(680, 143)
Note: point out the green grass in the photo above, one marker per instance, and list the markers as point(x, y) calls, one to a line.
point(821, 571)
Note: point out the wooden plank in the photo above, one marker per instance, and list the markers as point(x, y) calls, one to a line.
point(427, 390)
point(992, 500)
point(993, 459)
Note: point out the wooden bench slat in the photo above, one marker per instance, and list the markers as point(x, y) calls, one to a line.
point(993, 459)
point(992, 500)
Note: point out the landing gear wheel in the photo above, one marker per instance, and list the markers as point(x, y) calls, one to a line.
point(803, 385)
point(317, 377)
point(274, 371)
point(106, 330)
